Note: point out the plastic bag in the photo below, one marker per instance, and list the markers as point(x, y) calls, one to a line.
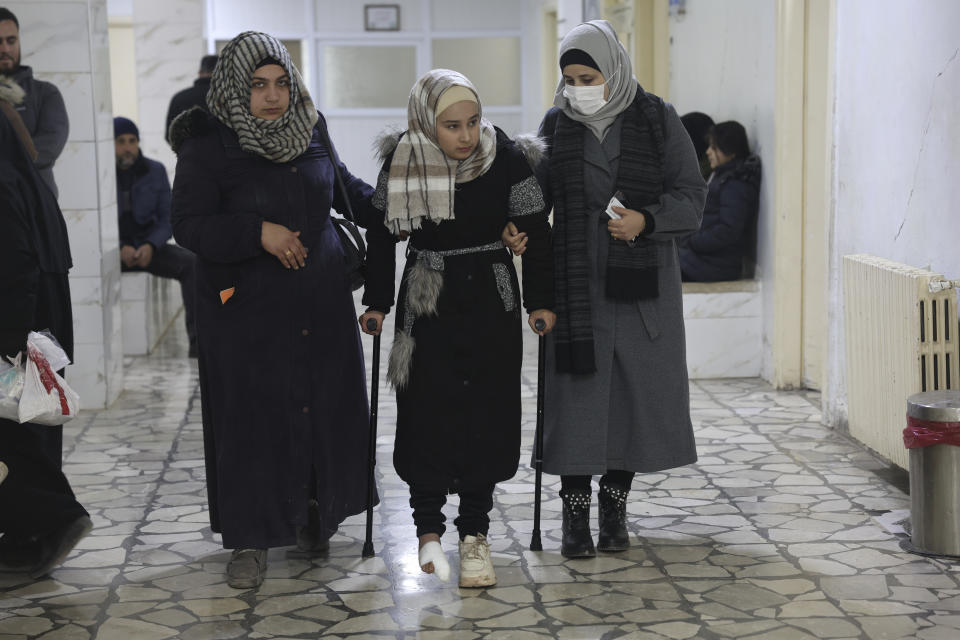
point(50, 348)
point(921, 433)
point(11, 388)
point(47, 398)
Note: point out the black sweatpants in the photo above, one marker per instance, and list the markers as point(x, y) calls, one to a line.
point(474, 516)
point(172, 261)
point(36, 497)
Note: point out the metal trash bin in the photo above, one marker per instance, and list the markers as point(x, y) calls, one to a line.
point(933, 437)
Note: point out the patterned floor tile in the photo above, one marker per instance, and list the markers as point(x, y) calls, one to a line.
point(785, 530)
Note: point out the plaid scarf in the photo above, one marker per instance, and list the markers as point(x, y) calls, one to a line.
point(422, 178)
point(279, 140)
point(632, 272)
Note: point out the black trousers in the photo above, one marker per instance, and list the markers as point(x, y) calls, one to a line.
point(36, 497)
point(171, 261)
point(474, 516)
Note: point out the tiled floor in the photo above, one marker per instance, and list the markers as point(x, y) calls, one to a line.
point(782, 531)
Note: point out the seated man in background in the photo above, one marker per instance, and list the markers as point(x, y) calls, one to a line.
point(143, 206)
point(716, 252)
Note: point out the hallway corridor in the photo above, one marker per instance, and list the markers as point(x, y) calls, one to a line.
point(782, 531)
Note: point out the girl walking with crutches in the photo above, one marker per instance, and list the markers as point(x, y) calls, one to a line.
point(450, 183)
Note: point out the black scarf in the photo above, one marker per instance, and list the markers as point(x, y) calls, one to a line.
point(632, 272)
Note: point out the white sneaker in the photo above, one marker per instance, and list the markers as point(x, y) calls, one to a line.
point(433, 552)
point(476, 567)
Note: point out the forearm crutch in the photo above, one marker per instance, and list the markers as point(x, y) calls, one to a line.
point(535, 543)
point(372, 447)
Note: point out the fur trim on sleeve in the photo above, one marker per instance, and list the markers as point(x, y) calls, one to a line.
point(386, 142)
point(193, 122)
point(532, 146)
point(10, 91)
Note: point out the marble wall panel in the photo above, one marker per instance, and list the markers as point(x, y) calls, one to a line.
point(87, 323)
point(731, 304)
point(76, 176)
point(107, 169)
point(85, 289)
point(77, 93)
point(737, 355)
point(66, 43)
point(83, 228)
point(87, 375)
point(114, 366)
point(169, 45)
point(54, 35)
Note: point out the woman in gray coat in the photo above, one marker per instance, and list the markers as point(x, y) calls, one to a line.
point(617, 400)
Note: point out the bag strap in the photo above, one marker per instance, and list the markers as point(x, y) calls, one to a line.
point(336, 168)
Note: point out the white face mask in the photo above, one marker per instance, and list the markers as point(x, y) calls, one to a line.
point(586, 100)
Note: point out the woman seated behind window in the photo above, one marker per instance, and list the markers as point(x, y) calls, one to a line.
point(716, 251)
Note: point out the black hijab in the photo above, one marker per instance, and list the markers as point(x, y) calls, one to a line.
point(26, 190)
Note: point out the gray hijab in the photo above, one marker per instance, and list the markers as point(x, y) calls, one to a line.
point(598, 39)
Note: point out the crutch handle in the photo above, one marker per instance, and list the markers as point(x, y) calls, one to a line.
point(540, 324)
point(372, 324)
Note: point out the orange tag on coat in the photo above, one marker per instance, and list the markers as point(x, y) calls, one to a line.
point(226, 294)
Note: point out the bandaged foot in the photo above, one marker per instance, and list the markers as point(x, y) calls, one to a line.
point(433, 560)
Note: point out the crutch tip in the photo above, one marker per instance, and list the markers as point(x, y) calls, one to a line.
point(535, 544)
point(367, 550)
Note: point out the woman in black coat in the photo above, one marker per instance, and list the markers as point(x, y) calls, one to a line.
point(281, 368)
point(716, 252)
point(40, 518)
point(451, 183)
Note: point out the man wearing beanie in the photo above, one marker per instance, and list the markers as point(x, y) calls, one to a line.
point(143, 206)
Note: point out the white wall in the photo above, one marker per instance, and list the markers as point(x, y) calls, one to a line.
point(65, 41)
point(722, 57)
point(897, 161)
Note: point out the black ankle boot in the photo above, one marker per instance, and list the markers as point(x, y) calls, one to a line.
point(577, 541)
point(612, 516)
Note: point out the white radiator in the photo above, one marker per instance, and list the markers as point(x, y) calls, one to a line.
point(901, 339)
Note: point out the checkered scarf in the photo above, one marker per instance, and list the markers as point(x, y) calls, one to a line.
point(279, 140)
point(422, 178)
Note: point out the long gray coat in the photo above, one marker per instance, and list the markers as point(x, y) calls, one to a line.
point(633, 413)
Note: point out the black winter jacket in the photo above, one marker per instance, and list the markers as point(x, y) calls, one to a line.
point(150, 199)
point(716, 251)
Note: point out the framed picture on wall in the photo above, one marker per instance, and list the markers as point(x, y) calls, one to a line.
point(381, 17)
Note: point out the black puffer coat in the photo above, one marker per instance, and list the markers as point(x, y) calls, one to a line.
point(716, 251)
point(285, 413)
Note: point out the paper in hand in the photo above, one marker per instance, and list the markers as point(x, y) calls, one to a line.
point(614, 202)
